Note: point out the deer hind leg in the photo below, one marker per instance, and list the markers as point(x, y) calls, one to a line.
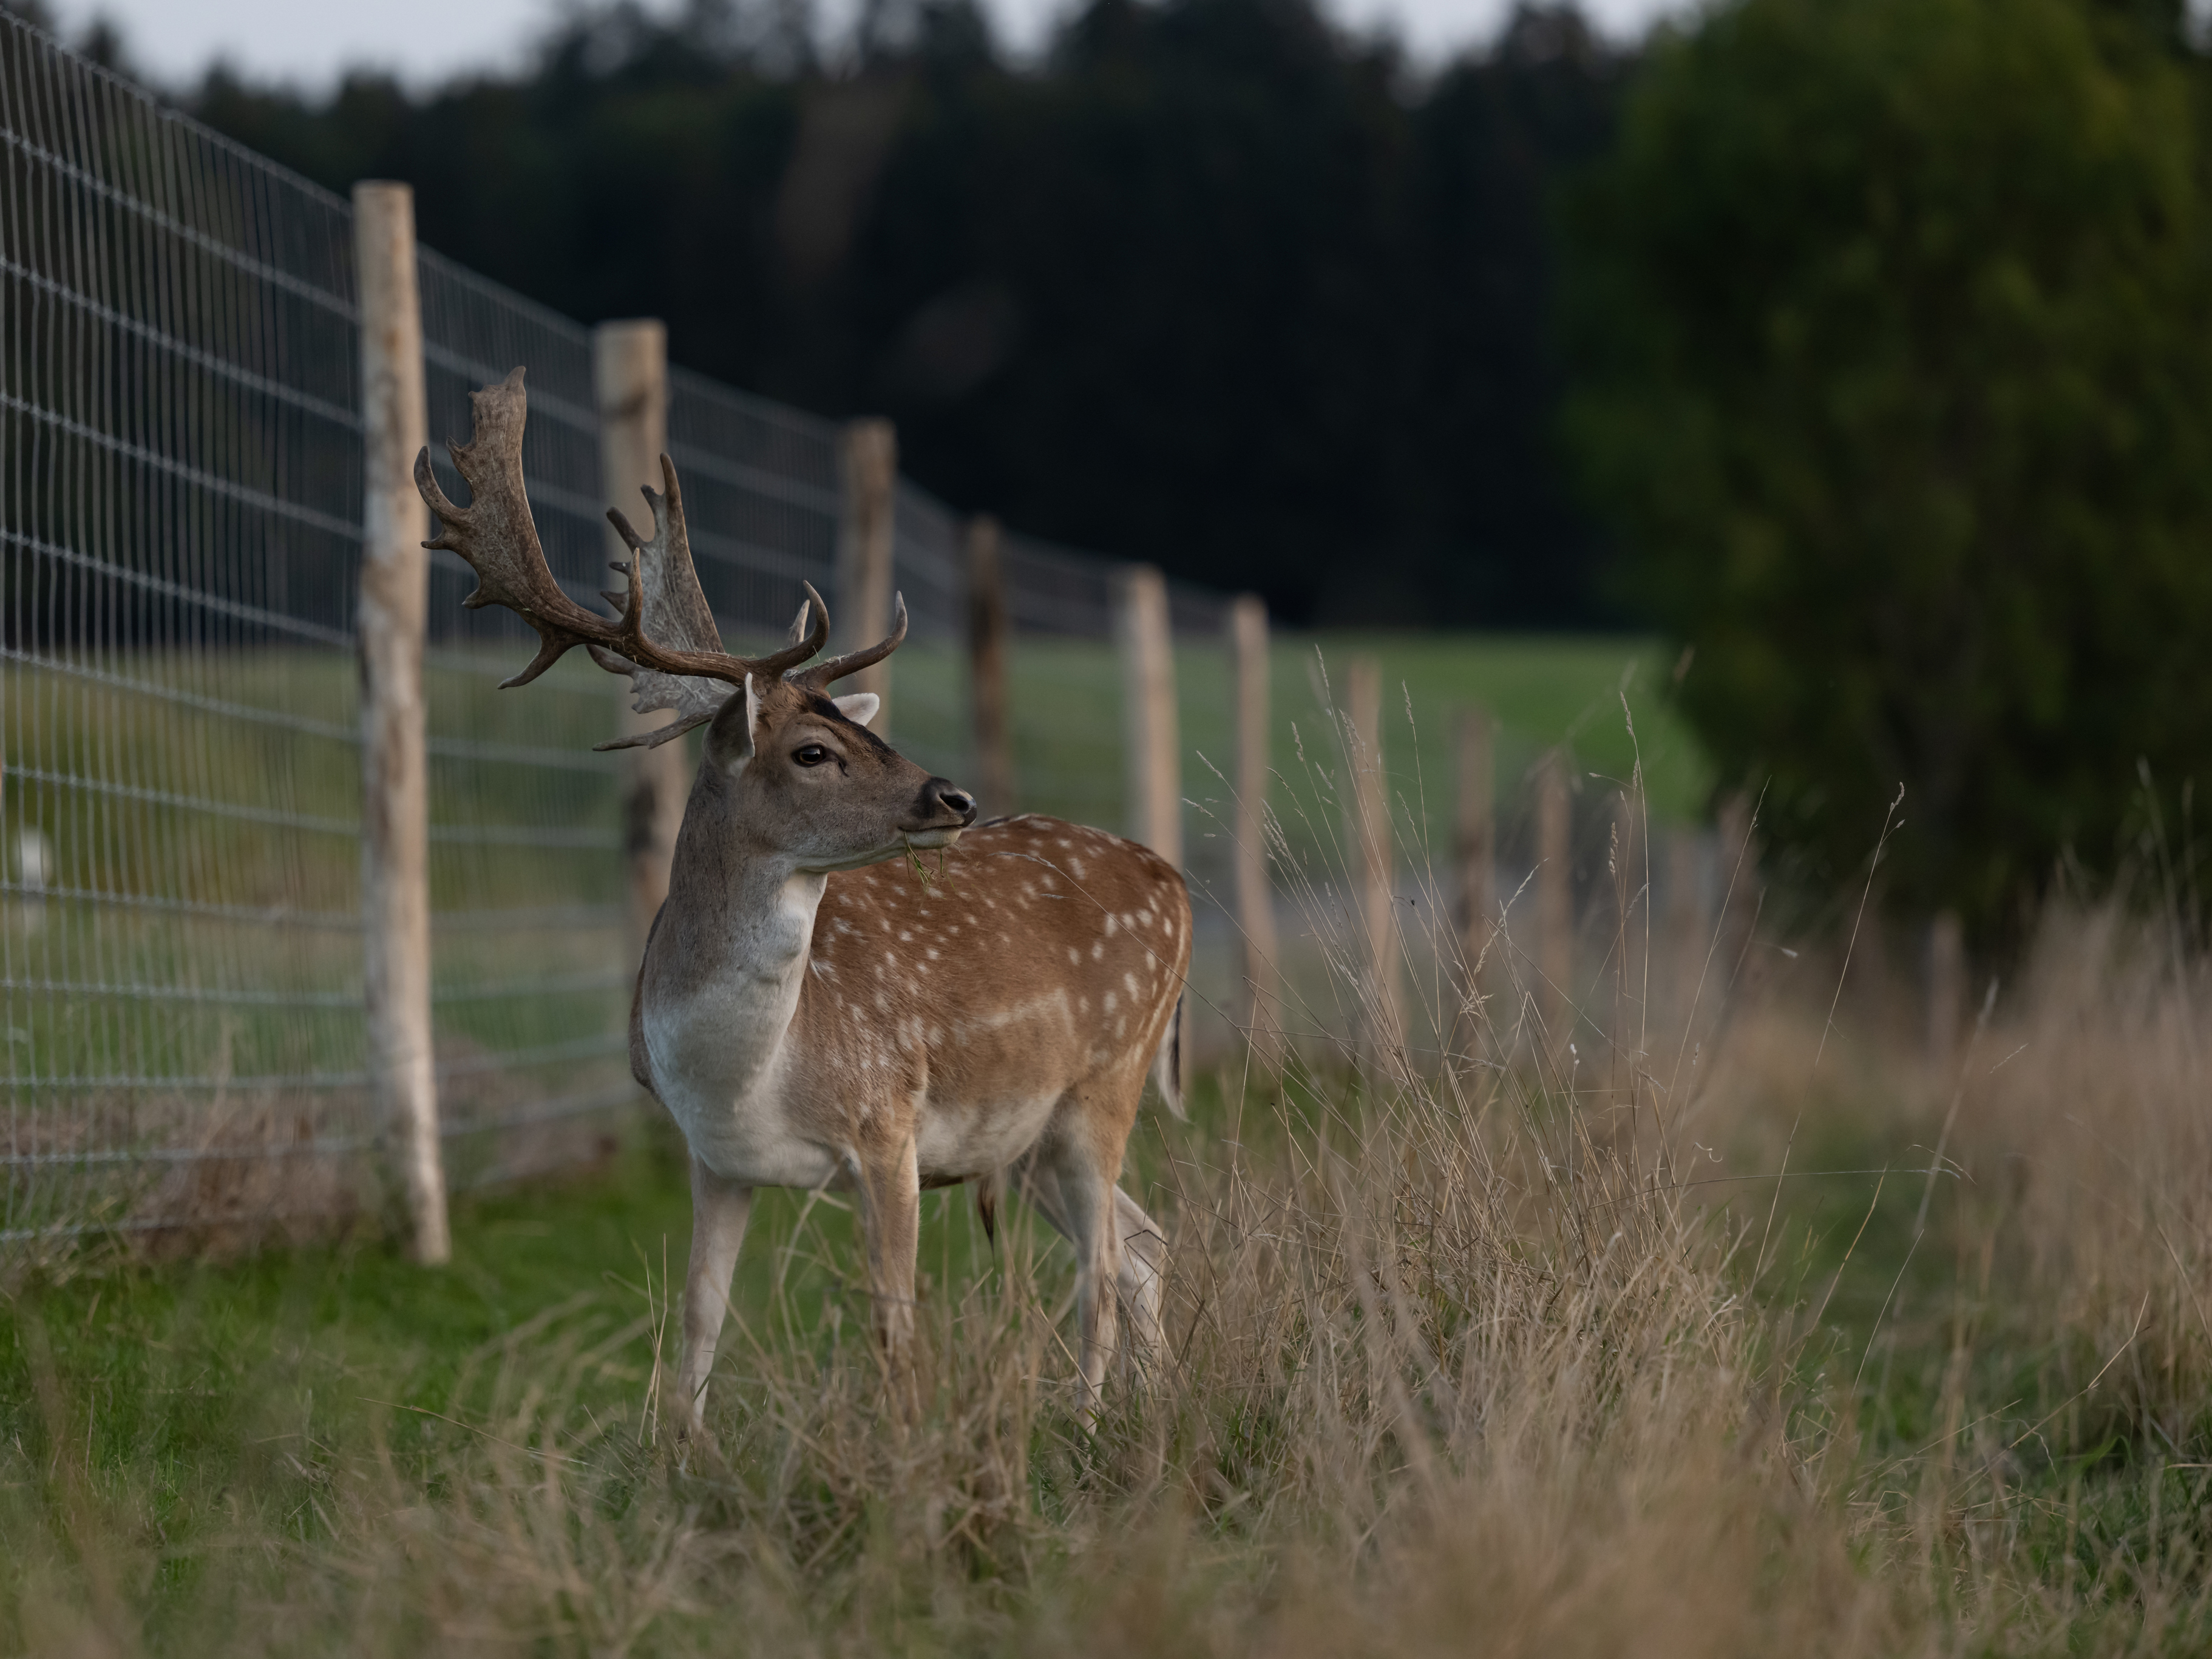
point(1072, 1183)
point(720, 1210)
point(1142, 1276)
point(891, 1210)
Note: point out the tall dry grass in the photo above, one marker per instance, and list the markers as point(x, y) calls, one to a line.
point(2085, 1124)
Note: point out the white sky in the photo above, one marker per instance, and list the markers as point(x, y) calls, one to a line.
point(309, 41)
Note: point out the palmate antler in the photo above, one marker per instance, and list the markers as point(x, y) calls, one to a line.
point(666, 639)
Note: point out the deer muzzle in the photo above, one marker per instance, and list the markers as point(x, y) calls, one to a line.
point(941, 812)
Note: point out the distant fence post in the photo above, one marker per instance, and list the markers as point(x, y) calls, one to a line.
point(1738, 881)
point(395, 577)
point(1255, 899)
point(1631, 983)
point(629, 373)
point(1947, 990)
point(986, 666)
point(1148, 702)
point(1474, 838)
point(1689, 925)
point(1368, 827)
point(1555, 901)
point(865, 539)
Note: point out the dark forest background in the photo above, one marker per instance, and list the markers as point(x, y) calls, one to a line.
point(1212, 285)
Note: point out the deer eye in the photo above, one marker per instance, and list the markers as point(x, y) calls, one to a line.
point(812, 754)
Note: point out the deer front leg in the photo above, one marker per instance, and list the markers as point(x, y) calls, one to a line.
point(719, 1209)
point(890, 1213)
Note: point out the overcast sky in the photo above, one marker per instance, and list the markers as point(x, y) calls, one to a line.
point(308, 41)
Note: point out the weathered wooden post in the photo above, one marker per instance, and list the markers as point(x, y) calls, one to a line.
point(987, 631)
point(865, 540)
point(1367, 833)
point(630, 374)
point(1946, 991)
point(1555, 902)
point(1474, 838)
point(395, 580)
point(1256, 898)
point(1154, 746)
point(1737, 967)
point(1629, 866)
point(1689, 923)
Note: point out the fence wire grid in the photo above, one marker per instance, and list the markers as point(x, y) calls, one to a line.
point(180, 512)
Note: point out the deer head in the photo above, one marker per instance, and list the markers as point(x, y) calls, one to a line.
point(789, 769)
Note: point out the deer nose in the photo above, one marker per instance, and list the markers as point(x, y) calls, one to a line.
point(939, 796)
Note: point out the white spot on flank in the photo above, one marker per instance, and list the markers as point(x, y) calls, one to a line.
point(1112, 1002)
point(1112, 922)
point(906, 935)
point(1074, 955)
point(1130, 979)
point(931, 952)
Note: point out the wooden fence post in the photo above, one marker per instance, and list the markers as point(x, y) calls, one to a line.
point(1256, 898)
point(1555, 902)
point(987, 632)
point(1148, 702)
point(1368, 833)
point(1689, 925)
point(1628, 868)
point(1737, 968)
point(865, 539)
point(395, 578)
point(1474, 838)
point(1946, 991)
point(630, 374)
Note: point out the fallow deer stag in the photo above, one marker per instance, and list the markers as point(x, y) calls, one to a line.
point(813, 1014)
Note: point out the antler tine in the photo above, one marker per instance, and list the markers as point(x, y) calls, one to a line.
point(824, 674)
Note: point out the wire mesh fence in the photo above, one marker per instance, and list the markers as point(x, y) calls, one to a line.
point(180, 807)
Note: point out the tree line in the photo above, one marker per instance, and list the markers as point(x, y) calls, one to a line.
point(1213, 284)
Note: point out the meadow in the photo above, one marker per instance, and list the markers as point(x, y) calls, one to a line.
point(1727, 1322)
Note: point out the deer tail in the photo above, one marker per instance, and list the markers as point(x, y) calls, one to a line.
point(1167, 1065)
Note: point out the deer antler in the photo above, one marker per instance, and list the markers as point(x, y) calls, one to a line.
point(823, 674)
point(498, 538)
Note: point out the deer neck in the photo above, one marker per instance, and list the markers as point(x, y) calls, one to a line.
point(727, 963)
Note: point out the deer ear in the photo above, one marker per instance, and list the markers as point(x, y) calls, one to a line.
point(859, 706)
point(730, 737)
